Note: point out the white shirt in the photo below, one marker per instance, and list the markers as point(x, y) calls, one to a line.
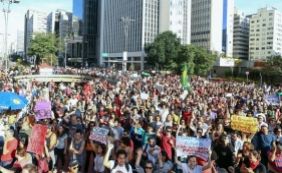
point(118, 168)
point(186, 169)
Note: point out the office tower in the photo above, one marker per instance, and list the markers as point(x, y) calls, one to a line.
point(137, 18)
point(175, 16)
point(212, 25)
point(206, 24)
point(227, 30)
point(35, 22)
point(20, 41)
point(241, 36)
point(91, 15)
point(59, 23)
point(265, 34)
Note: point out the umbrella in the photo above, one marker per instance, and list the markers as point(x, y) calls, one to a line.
point(9, 100)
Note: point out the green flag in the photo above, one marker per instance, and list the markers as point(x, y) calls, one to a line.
point(184, 77)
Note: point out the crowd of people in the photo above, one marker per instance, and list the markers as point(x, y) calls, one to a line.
point(144, 117)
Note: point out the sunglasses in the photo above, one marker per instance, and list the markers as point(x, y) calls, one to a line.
point(148, 167)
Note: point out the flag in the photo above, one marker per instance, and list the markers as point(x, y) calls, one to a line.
point(184, 77)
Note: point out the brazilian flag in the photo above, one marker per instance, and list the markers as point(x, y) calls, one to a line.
point(184, 77)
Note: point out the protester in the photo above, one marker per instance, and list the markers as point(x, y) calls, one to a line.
point(123, 122)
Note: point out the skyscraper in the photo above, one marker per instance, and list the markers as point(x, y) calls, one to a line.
point(35, 22)
point(206, 24)
point(227, 30)
point(241, 36)
point(175, 15)
point(91, 15)
point(212, 25)
point(265, 34)
point(142, 27)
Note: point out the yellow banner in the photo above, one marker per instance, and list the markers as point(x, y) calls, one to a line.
point(244, 124)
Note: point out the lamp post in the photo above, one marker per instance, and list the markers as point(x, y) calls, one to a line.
point(126, 22)
point(65, 58)
point(6, 10)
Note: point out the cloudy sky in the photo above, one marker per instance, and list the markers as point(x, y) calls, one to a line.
point(16, 21)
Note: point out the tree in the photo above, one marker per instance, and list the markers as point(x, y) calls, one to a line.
point(163, 51)
point(203, 60)
point(44, 47)
point(274, 64)
point(186, 55)
point(199, 61)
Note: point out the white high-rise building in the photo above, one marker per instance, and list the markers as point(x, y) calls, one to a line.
point(241, 36)
point(175, 16)
point(35, 22)
point(227, 30)
point(212, 25)
point(265, 34)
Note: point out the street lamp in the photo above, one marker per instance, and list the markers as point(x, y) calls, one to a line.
point(6, 10)
point(126, 22)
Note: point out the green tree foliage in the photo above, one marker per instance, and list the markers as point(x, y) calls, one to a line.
point(203, 60)
point(274, 64)
point(186, 55)
point(167, 53)
point(44, 47)
point(163, 51)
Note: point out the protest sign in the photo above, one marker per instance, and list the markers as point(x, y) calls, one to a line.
point(99, 135)
point(244, 124)
point(144, 96)
point(272, 99)
point(37, 139)
point(186, 146)
point(42, 110)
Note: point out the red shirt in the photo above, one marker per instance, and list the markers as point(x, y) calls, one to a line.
point(167, 145)
point(11, 147)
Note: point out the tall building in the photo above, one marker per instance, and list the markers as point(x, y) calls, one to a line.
point(175, 16)
point(206, 24)
point(265, 34)
point(212, 25)
point(241, 36)
point(91, 15)
point(60, 23)
point(20, 41)
point(142, 27)
point(35, 22)
point(227, 30)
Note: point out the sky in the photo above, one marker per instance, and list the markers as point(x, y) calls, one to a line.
point(251, 6)
point(16, 21)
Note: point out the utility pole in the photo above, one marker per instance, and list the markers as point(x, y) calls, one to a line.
point(126, 22)
point(6, 10)
point(65, 58)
